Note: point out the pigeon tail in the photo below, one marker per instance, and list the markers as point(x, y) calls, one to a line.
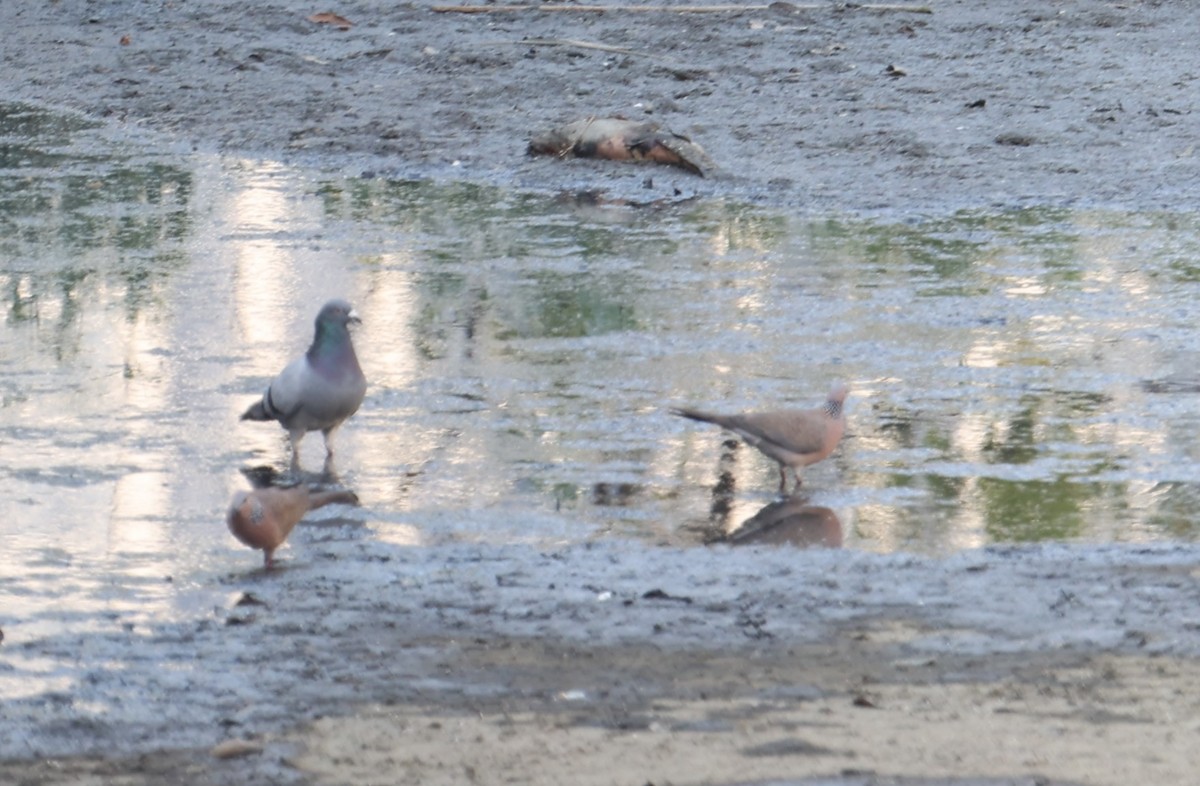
point(257, 411)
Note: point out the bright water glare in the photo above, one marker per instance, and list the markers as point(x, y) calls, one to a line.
point(1016, 376)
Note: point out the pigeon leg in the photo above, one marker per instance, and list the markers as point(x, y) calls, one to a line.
point(329, 467)
point(295, 438)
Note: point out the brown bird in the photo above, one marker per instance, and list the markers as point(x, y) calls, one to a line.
point(793, 437)
point(263, 518)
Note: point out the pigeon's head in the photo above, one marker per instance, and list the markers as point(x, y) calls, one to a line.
point(337, 312)
point(838, 393)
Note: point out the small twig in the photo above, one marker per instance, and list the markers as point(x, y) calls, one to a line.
point(578, 44)
point(679, 72)
point(595, 9)
point(677, 9)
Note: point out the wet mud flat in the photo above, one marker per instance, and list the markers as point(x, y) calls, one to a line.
point(623, 662)
point(366, 663)
point(825, 108)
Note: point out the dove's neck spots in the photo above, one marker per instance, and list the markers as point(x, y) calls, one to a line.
point(833, 409)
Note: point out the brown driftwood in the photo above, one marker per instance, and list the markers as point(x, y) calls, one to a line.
point(618, 139)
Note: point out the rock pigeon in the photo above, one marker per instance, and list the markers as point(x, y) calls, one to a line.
point(793, 437)
point(263, 518)
point(319, 390)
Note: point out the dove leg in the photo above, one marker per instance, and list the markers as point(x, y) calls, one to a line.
point(782, 479)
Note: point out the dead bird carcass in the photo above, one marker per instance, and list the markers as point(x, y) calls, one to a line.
point(618, 139)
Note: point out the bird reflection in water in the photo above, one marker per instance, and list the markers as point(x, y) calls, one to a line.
point(615, 494)
point(790, 521)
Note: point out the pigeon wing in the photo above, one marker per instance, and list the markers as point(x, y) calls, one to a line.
point(286, 396)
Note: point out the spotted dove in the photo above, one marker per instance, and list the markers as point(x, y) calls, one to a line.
point(793, 437)
point(263, 518)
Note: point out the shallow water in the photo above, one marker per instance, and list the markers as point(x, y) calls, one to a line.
point(1017, 376)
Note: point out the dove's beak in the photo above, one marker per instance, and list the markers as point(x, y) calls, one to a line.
point(353, 317)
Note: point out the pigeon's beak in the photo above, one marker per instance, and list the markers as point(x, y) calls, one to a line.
point(353, 318)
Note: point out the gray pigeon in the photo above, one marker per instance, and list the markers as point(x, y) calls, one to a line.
point(793, 437)
point(320, 389)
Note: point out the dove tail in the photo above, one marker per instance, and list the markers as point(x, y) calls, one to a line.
point(695, 414)
point(319, 499)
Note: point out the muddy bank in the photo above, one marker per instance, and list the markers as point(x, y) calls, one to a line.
point(1081, 103)
point(363, 663)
